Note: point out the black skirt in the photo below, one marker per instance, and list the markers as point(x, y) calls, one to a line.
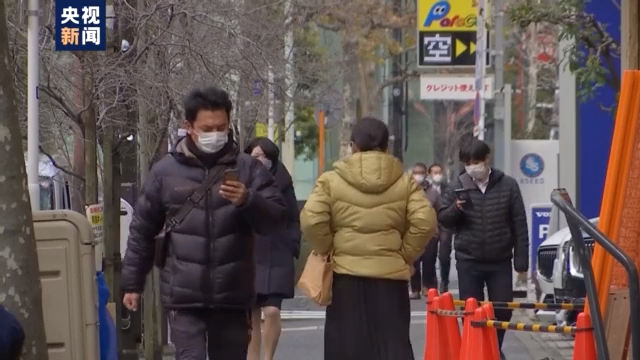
point(368, 319)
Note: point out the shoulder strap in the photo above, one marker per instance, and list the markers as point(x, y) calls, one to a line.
point(214, 176)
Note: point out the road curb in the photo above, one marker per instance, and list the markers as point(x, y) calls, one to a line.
point(320, 315)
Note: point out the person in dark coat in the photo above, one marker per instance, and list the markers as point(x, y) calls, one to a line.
point(207, 280)
point(11, 336)
point(490, 223)
point(436, 182)
point(274, 255)
point(424, 274)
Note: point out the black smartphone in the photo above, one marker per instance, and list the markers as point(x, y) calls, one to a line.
point(462, 194)
point(230, 175)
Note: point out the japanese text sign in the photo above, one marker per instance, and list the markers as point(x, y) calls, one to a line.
point(458, 87)
point(80, 25)
point(447, 15)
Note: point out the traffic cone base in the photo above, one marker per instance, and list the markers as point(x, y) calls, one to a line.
point(584, 347)
point(478, 345)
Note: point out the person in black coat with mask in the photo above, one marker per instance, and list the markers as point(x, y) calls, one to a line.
point(274, 255)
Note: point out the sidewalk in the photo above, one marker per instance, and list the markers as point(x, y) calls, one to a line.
point(543, 345)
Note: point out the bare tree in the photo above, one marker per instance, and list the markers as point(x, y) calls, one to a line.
point(364, 27)
point(20, 287)
point(592, 57)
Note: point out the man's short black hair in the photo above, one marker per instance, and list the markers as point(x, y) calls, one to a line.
point(370, 134)
point(477, 150)
point(210, 98)
point(422, 165)
point(432, 166)
point(269, 149)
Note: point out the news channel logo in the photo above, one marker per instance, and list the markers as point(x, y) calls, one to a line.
point(532, 167)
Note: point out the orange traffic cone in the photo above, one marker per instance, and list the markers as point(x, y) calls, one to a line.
point(584, 347)
point(470, 307)
point(431, 332)
point(478, 343)
point(449, 325)
point(491, 333)
point(441, 349)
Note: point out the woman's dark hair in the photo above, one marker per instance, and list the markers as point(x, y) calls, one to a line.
point(432, 166)
point(270, 149)
point(209, 98)
point(477, 150)
point(370, 134)
point(422, 165)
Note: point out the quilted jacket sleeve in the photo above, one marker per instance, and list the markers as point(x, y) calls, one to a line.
point(316, 216)
point(148, 221)
point(448, 213)
point(422, 224)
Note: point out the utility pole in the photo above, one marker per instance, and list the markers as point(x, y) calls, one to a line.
point(33, 110)
point(480, 70)
point(397, 92)
point(501, 147)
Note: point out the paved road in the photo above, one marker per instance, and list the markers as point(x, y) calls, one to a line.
point(303, 339)
point(302, 336)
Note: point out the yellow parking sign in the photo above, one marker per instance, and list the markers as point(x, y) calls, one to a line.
point(447, 15)
point(447, 32)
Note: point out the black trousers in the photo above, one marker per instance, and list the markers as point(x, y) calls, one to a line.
point(498, 277)
point(444, 255)
point(425, 268)
point(222, 334)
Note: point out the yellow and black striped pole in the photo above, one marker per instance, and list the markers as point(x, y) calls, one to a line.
point(524, 305)
point(503, 325)
point(454, 313)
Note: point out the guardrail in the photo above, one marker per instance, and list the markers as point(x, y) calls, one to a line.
point(576, 222)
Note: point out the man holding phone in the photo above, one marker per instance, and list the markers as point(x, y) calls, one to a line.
point(211, 200)
point(487, 214)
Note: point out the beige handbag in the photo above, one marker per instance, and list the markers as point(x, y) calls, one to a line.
point(317, 278)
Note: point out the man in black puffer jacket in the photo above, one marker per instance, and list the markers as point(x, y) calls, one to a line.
point(490, 226)
point(207, 281)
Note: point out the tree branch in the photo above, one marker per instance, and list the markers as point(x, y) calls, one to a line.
point(59, 167)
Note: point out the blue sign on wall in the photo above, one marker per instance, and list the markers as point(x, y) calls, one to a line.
point(81, 25)
point(540, 216)
point(595, 125)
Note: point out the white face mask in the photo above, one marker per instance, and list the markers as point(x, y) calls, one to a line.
point(437, 179)
point(476, 171)
point(418, 178)
point(211, 142)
